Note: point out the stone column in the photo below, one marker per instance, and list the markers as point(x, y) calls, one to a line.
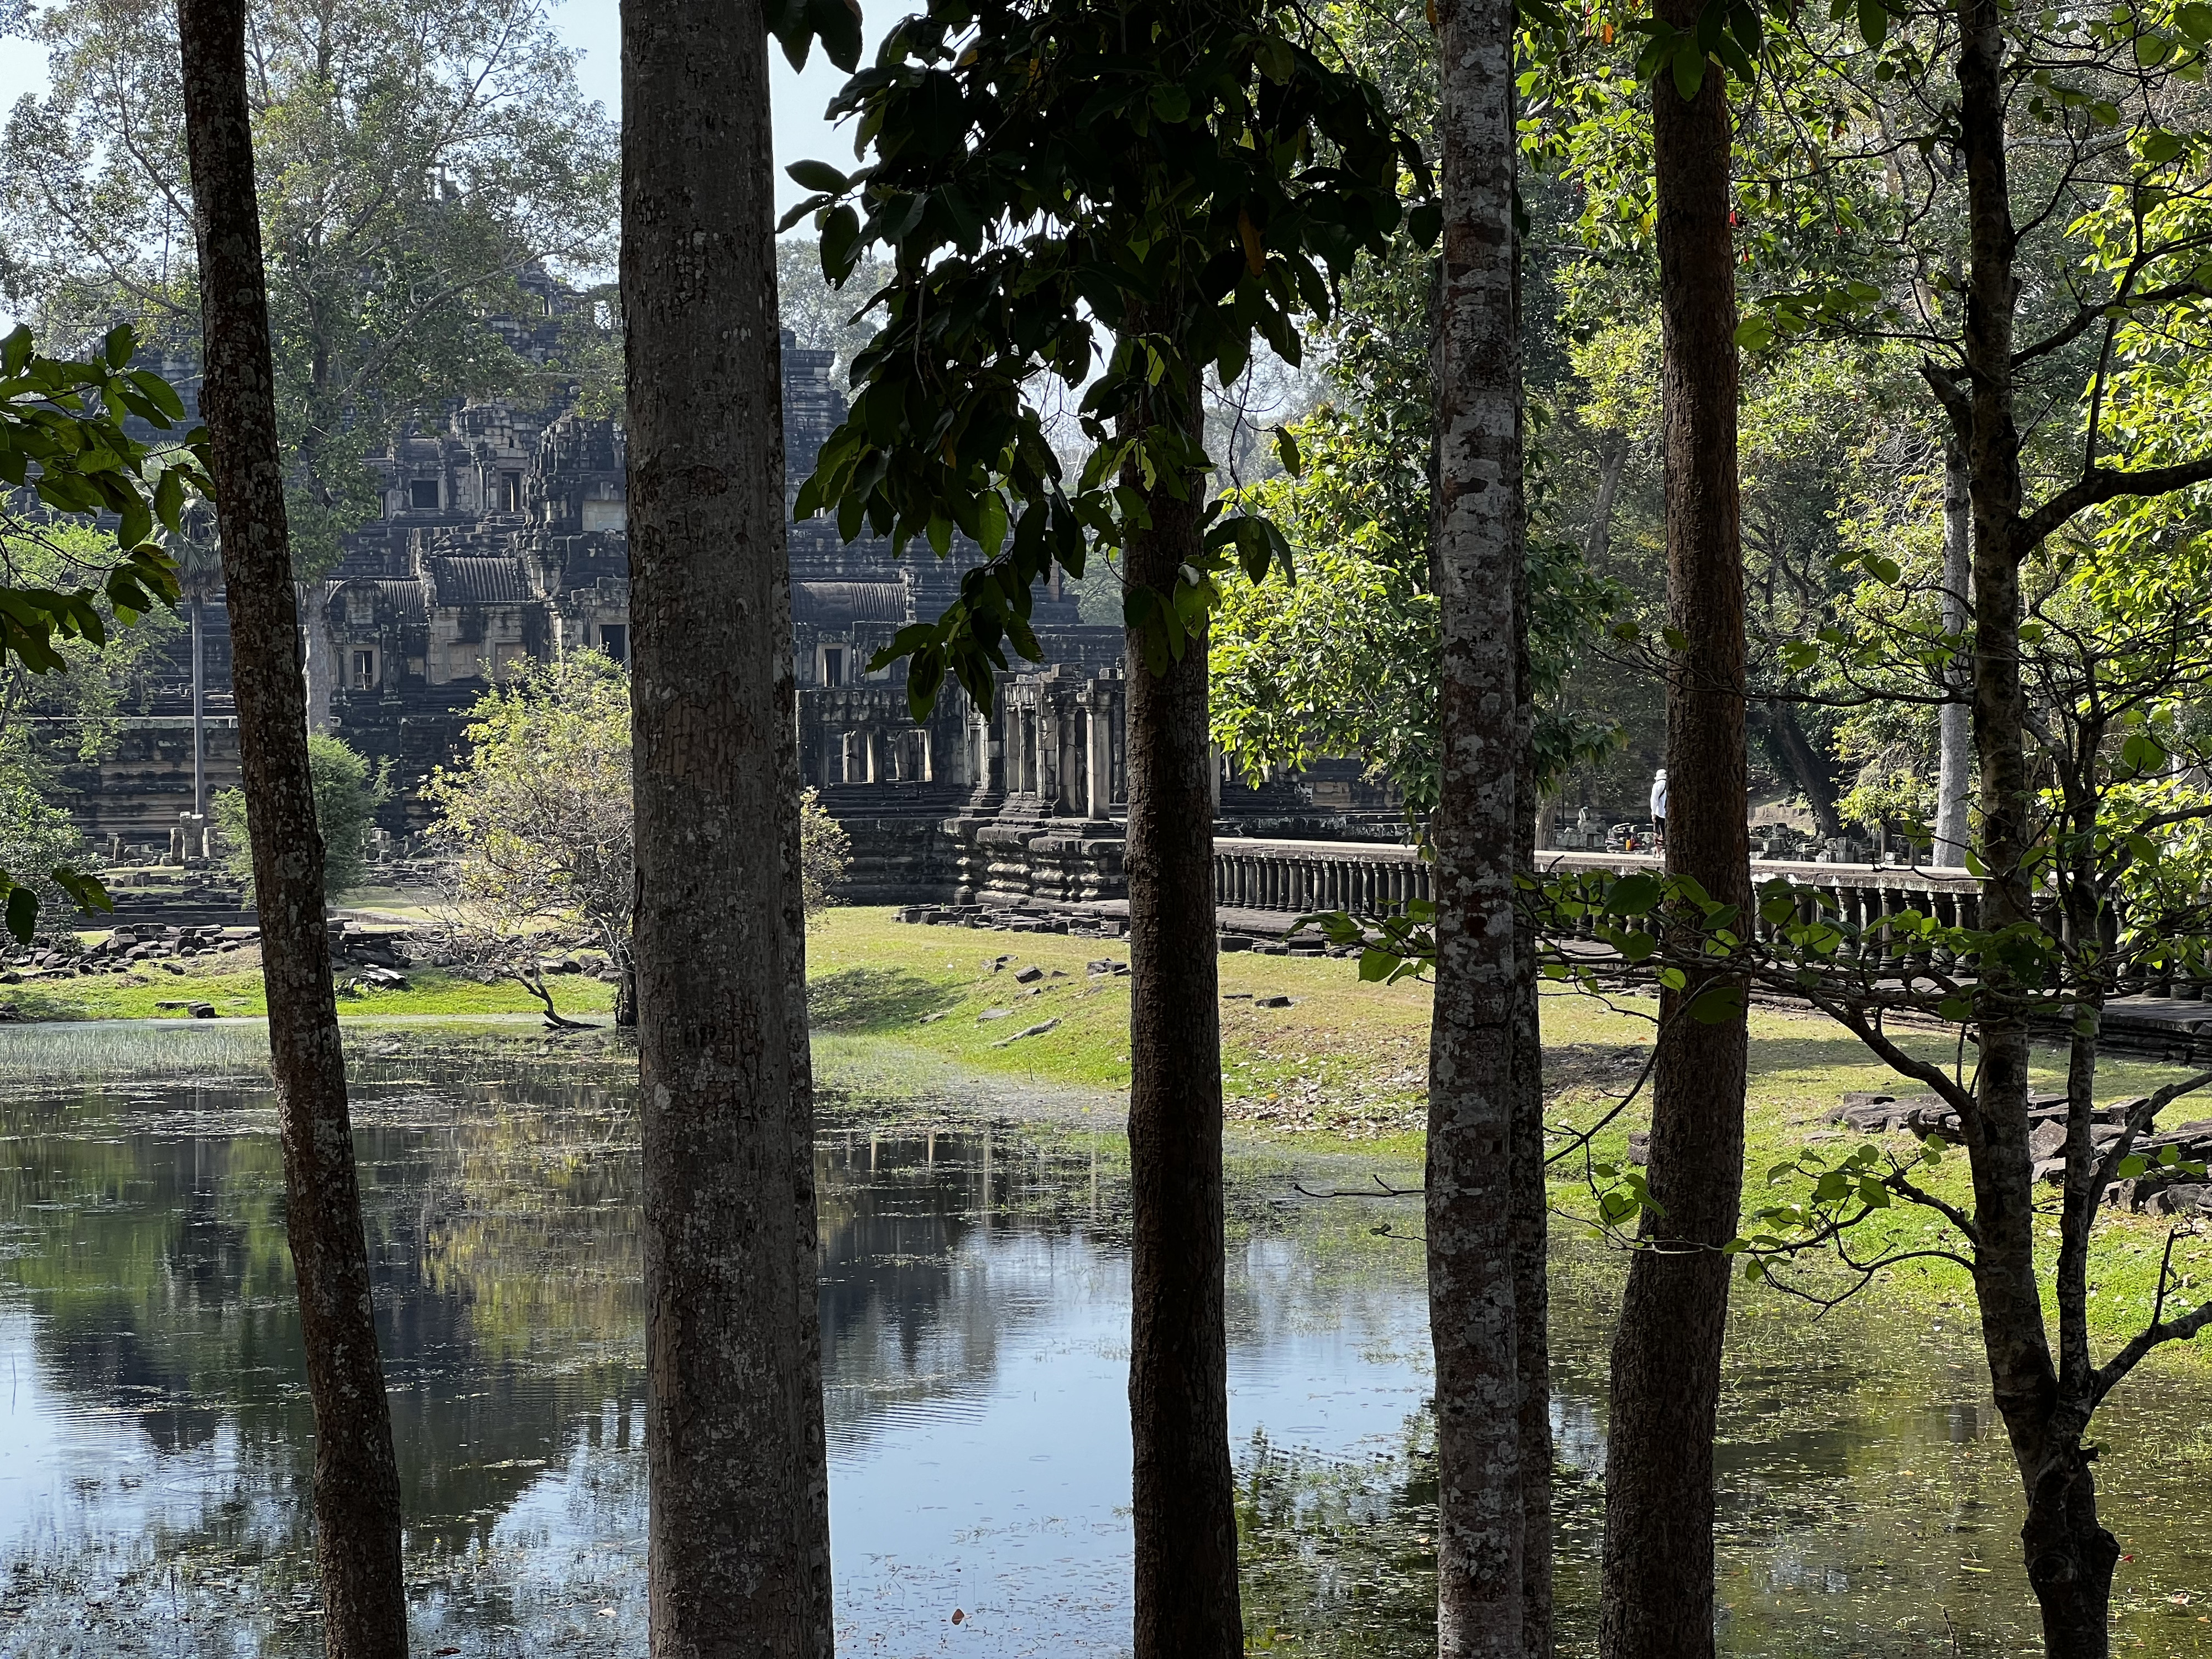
point(1099, 763)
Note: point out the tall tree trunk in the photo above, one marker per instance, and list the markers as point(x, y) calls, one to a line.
point(1657, 1601)
point(2069, 1556)
point(1532, 1296)
point(199, 713)
point(1184, 1501)
point(1955, 756)
point(1472, 1211)
point(738, 1533)
point(357, 1490)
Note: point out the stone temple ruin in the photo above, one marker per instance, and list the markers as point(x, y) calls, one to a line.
point(502, 541)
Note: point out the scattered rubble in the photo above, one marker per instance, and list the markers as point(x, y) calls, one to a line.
point(2190, 1144)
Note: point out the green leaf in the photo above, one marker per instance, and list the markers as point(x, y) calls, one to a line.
point(1633, 895)
point(799, 210)
point(22, 914)
point(2159, 148)
point(1755, 332)
point(1426, 223)
point(1286, 450)
point(840, 237)
point(1873, 21)
point(1689, 70)
point(1718, 1005)
point(818, 175)
point(169, 498)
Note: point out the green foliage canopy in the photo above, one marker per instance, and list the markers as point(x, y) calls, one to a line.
point(1172, 178)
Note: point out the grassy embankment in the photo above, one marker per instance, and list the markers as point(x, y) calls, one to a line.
point(231, 984)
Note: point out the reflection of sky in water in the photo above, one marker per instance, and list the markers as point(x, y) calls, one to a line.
point(975, 1310)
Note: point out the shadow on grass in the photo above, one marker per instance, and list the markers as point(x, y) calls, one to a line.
point(873, 998)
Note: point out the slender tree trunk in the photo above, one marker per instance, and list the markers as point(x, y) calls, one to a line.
point(2069, 1557)
point(737, 1534)
point(1477, 828)
point(1657, 1601)
point(200, 714)
point(1954, 758)
point(357, 1491)
point(1187, 1598)
point(1807, 764)
point(1612, 462)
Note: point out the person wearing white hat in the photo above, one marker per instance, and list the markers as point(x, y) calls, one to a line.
point(1659, 806)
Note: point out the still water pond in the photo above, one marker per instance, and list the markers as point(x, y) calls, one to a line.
point(975, 1310)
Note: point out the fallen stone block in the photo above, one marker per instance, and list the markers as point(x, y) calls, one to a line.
point(1028, 975)
point(1271, 1002)
point(2184, 1198)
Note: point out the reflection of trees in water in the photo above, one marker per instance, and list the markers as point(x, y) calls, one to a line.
point(936, 1246)
point(1338, 1554)
point(155, 1257)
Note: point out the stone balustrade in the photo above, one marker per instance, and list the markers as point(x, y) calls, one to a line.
point(1861, 895)
point(1368, 878)
point(1377, 879)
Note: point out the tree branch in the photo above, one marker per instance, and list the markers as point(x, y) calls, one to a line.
point(2102, 484)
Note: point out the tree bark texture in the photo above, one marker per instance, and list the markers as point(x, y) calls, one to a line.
point(1955, 751)
point(1656, 1599)
point(738, 1530)
point(1531, 1294)
point(1472, 1213)
point(2069, 1556)
point(1188, 1605)
point(356, 1482)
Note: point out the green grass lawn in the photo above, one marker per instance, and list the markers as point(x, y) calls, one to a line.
point(1344, 1059)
